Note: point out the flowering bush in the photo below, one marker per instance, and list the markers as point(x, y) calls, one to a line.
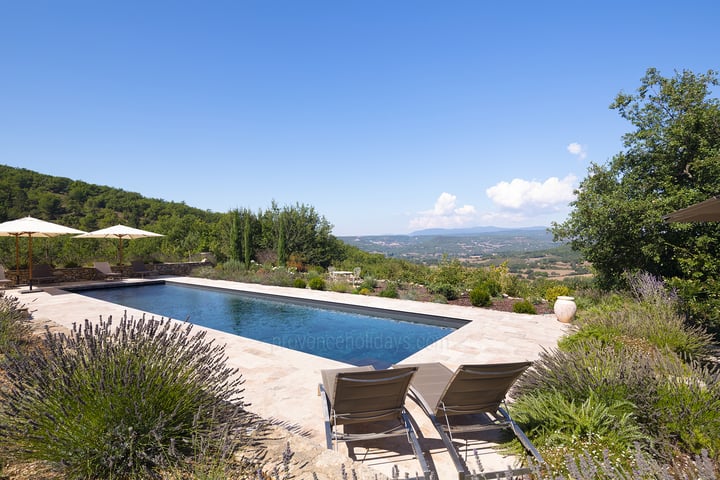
point(121, 402)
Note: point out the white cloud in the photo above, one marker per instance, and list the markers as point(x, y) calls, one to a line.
point(578, 150)
point(533, 196)
point(444, 205)
point(445, 214)
point(520, 203)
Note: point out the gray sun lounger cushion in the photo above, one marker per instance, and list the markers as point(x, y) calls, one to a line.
point(105, 270)
point(3, 280)
point(364, 394)
point(139, 268)
point(371, 398)
point(469, 390)
point(42, 272)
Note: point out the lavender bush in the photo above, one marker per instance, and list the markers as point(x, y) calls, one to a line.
point(122, 401)
point(651, 315)
point(14, 327)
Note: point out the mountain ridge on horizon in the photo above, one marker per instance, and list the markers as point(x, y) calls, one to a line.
point(431, 244)
point(471, 230)
point(453, 232)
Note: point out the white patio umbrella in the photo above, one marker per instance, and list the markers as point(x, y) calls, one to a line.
point(120, 232)
point(31, 227)
point(707, 211)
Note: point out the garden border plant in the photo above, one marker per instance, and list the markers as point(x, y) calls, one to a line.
point(123, 401)
point(14, 326)
point(619, 380)
point(634, 364)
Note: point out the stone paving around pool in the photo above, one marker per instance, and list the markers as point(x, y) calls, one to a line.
point(282, 384)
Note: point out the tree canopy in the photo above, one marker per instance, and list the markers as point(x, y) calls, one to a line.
point(277, 235)
point(670, 160)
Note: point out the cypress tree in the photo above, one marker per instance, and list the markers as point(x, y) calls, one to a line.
point(281, 240)
point(246, 241)
point(235, 244)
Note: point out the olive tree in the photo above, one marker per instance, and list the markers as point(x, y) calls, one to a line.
point(301, 232)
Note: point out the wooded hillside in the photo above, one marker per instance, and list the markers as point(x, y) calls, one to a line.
point(296, 232)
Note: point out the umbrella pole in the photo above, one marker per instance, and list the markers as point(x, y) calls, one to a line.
point(17, 259)
point(121, 246)
point(30, 260)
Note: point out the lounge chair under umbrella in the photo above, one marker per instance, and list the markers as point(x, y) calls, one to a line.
point(121, 232)
point(31, 227)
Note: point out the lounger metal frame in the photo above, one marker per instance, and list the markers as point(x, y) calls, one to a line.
point(105, 269)
point(499, 416)
point(404, 427)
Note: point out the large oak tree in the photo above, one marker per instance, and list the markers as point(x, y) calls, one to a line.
point(670, 160)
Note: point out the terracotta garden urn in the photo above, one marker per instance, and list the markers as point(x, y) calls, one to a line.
point(565, 309)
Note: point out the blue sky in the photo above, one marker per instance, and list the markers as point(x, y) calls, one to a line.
point(386, 116)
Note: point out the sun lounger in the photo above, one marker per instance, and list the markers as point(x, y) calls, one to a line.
point(472, 392)
point(105, 270)
point(139, 268)
point(372, 400)
point(42, 273)
point(4, 281)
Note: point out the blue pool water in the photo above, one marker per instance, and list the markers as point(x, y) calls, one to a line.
point(347, 337)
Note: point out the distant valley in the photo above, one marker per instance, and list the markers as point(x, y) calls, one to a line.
point(429, 245)
point(528, 252)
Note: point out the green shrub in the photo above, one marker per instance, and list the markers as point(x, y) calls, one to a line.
point(299, 283)
point(480, 297)
point(411, 293)
point(339, 287)
point(598, 369)
point(450, 292)
point(278, 276)
point(390, 291)
point(524, 306)
point(439, 299)
point(701, 301)
point(369, 283)
point(232, 267)
point(316, 283)
point(205, 271)
point(555, 291)
point(514, 286)
point(676, 404)
point(680, 408)
point(657, 322)
point(493, 287)
point(604, 334)
point(449, 272)
point(655, 316)
point(234, 270)
point(681, 402)
point(122, 402)
point(562, 427)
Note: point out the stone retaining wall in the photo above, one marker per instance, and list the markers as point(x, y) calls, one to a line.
point(81, 274)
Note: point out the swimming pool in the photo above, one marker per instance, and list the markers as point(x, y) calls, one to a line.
point(349, 337)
